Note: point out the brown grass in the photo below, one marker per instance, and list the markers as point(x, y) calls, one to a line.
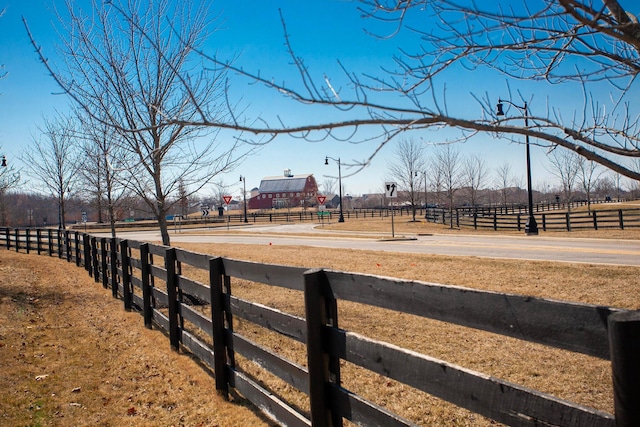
point(71, 356)
point(57, 322)
point(571, 376)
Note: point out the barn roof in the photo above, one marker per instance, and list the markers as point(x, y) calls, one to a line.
point(273, 184)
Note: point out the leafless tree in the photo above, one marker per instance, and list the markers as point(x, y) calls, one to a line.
point(53, 160)
point(588, 174)
point(220, 189)
point(9, 179)
point(131, 65)
point(550, 41)
point(183, 198)
point(329, 186)
point(409, 160)
point(102, 170)
point(565, 165)
point(474, 176)
point(504, 180)
point(448, 164)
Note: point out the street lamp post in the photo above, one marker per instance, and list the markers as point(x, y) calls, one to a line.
point(244, 195)
point(4, 162)
point(531, 227)
point(326, 162)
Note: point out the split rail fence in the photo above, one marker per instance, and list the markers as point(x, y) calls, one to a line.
point(547, 221)
point(154, 280)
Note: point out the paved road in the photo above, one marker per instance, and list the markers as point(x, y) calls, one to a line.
point(592, 251)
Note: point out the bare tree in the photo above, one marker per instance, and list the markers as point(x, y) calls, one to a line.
point(53, 159)
point(504, 180)
point(448, 165)
point(550, 41)
point(102, 169)
point(183, 199)
point(588, 174)
point(474, 176)
point(437, 180)
point(409, 160)
point(565, 165)
point(329, 186)
point(131, 66)
point(9, 179)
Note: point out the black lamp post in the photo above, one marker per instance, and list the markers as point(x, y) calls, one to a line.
point(531, 227)
point(4, 162)
point(326, 162)
point(244, 195)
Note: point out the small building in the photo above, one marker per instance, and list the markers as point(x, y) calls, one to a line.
point(287, 191)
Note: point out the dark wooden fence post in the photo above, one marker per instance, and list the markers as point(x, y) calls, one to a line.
point(216, 272)
point(17, 235)
point(76, 240)
point(172, 292)
point(147, 309)
point(39, 240)
point(8, 237)
point(595, 220)
point(620, 218)
point(94, 257)
point(624, 343)
point(59, 235)
point(87, 253)
point(27, 235)
point(568, 220)
point(126, 275)
point(50, 241)
point(114, 266)
point(321, 311)
point(67, 245)
point(103, 262)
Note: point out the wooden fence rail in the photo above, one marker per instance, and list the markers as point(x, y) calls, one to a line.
point(199, 316)
point(547, 221)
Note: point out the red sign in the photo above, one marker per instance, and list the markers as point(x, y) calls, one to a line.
point(321, 199)
point(227, 199)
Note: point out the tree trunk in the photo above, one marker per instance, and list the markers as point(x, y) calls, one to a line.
point(164, 231)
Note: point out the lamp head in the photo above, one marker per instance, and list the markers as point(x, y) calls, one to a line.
point(499, 106)
point(240, 178)
point(4, 162)
point(326, 160)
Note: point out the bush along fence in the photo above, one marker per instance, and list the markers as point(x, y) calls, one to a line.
point(547, 221)
point(189, 296)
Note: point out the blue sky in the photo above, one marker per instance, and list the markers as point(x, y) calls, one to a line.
point(322, 32)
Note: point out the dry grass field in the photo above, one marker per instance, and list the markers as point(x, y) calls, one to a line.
point(70, 354)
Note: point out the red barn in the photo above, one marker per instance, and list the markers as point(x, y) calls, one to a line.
point(288, 191)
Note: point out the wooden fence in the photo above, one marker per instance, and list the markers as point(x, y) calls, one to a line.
point(263, 217)
point(159, 282)
point(547, 221)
